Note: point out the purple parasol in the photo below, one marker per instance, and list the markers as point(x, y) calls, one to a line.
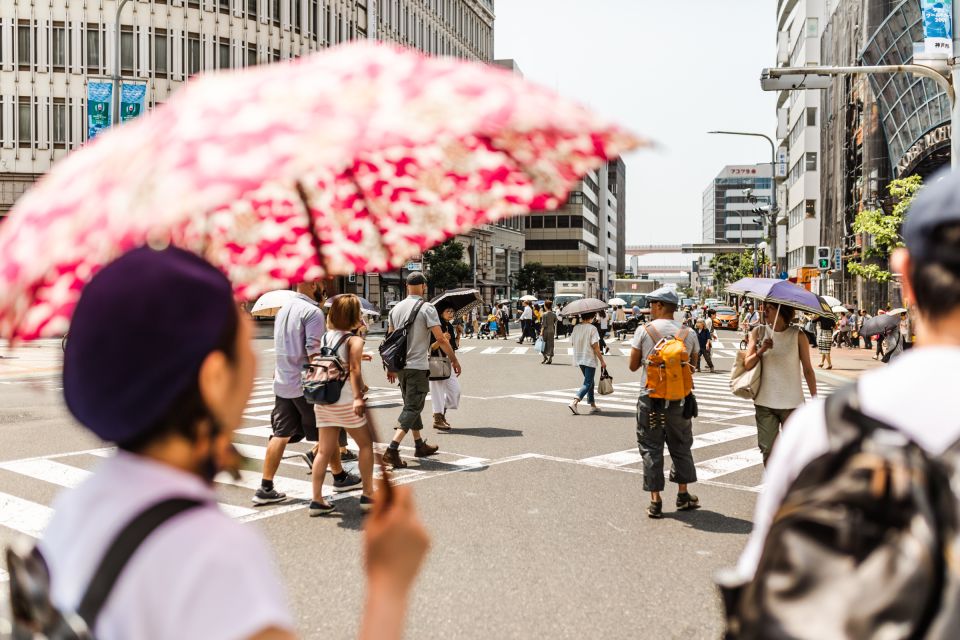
point(781, 292)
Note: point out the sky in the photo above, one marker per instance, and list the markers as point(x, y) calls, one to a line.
point(670, 70)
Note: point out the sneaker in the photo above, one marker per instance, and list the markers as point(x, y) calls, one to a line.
point(321, 508)
point(392, 458)
point(594, 409)
point(262, 496)
point(366, 504)
point(573, 407)
point(687, 501)
point(308, 459)
point(422, 449)
point(347, 456)
point(655, 510)
point(347, 483)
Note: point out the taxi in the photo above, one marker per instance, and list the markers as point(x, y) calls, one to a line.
point(726, 318)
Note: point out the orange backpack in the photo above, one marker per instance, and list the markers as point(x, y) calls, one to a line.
point(669, 372)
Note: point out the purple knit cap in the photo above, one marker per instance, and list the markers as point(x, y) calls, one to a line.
point(140, 332)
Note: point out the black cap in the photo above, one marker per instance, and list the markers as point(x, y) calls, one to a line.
point(416, 278)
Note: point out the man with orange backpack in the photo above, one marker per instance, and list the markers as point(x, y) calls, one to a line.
point(665, 350)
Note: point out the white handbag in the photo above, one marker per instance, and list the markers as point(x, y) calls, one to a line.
point(745, 383)
point(605, 386)
point(440, 368)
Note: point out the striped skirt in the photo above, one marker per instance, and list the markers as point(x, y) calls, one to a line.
point(825, 341)
point(338, 415)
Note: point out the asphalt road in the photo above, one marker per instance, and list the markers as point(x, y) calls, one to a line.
point(536, 515)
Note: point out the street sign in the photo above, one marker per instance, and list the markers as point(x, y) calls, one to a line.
point(837, 259)
point(414, 266)
point(784, 275)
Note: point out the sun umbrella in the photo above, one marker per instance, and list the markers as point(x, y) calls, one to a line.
point(838, 308)
point(528, 298)
point(617, 302)
point(367, 308)
point(897, 311)
point(268, 305)
point(781, 292)
point(833, 302)
point(878, 325)
point(584, 305)
point(462, 300)
point(346, 161)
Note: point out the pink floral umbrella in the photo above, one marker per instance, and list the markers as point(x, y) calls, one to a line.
point(350, 160)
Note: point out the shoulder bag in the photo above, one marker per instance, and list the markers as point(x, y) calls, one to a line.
point(393, 350)
point(745, 383)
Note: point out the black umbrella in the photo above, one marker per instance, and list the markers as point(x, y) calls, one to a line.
point(462, 300)
point(878, 325)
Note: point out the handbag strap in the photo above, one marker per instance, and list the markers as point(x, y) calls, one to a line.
point(121, 549)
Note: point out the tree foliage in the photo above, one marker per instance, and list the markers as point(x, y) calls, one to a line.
point(532, 278)
point(446, 266)
point(884, 229)
point(730, 267)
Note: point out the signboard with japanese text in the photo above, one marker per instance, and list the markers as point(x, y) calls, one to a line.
point(937, 28)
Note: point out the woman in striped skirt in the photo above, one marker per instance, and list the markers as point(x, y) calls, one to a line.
point(349, 412)
point(825, 340)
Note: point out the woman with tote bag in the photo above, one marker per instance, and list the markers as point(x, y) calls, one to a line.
point(444, 391)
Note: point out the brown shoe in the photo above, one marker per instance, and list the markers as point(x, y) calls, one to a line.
point(423, 449)
point(439, 423)
point(392, 458)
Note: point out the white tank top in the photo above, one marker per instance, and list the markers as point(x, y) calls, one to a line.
point(781, 385)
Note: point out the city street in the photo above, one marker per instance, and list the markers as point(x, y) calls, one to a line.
point(530, 508)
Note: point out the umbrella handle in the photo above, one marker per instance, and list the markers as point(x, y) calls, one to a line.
point(314, 238)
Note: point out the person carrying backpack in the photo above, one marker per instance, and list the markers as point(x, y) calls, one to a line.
point(664, 352)
point(141, 549)
point(856, 528)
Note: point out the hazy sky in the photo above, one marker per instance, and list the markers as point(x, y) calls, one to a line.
point(668, 69)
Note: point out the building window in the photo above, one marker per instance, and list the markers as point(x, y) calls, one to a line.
point(24, 45)
point(535, 222)
point(93, 48)
point(297, 15)
point(252, 9)
point(126, 50)
point(61, 123)
point(25, 122)
point(549, 222)
point(193, 53)
point(275, 11)
point(160, 46)
point(223, 6)
point(811, 116)
point(811, 161)
point(223, 54)
point(563, 222)
point(811, 208)
point(275, 55)
point(61, 47)
point(251, 55)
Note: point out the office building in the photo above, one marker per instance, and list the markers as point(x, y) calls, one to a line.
point(728, 216)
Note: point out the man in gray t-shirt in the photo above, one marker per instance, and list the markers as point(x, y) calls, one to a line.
point(415, 376)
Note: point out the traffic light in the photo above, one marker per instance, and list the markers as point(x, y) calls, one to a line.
point(823, 258)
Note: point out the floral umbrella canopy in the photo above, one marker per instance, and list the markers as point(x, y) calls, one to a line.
point(350, 160)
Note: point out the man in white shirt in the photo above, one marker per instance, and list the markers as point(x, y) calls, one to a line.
point(526, 323)
point(917, 393)
point(199, 573)
point(672, 428)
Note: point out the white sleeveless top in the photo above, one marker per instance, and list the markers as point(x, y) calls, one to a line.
point(781, 385)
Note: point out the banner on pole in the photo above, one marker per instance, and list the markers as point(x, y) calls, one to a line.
point(133, 100)
point(99, 99)
point(937, 28)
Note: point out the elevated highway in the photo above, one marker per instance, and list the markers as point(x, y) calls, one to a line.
point(649, 249)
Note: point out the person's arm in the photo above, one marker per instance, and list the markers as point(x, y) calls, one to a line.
point(808, 373)
point(444, 344)
point(355, 358)
point(395, 544)
point(754, 353)
point(596, 350)
point(273, 633)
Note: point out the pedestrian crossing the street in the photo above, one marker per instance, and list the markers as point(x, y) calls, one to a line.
point(262, 398)
point(617, 348)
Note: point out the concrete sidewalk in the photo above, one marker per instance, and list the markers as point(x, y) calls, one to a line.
point(849, 363)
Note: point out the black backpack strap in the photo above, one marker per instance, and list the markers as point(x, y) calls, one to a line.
point(413, 315)
point(343, 338)
point(118, 554)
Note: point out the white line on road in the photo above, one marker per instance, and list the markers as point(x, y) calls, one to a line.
point(725, 465)
point(29, 518)
point(632, 456)
point(491, 350)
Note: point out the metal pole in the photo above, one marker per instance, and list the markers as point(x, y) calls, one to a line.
point(116, 64)
point(474, 262)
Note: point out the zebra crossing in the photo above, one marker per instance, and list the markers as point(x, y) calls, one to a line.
point(261, 400)
point(617, 348)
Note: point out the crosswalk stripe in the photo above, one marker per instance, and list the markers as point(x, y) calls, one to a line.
point(491, 350)
point(29, 518)
point(256, 400)
point(465, 349)
point(62, 475)
point(626, 352)
point(518, 351)
point(632, 456)
point(299, 489)
point(725, 465)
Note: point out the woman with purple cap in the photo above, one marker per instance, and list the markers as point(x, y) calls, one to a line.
point(170, 392)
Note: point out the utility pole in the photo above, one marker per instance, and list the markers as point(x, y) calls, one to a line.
point(116, 64)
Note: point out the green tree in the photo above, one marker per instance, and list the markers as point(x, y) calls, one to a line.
point(446, 266)
point(730, 267)
point(885, 230)
point(532, 277)
point(562, 273)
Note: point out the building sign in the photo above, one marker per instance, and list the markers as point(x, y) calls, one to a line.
point(133, 100)
point(99, 99)
point(414, 266)
point(751, 171)
point(782, 159)
point(937, 28)
point(939, 137)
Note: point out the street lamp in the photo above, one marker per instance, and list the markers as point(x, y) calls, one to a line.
point(116, 64)
point(773, 179)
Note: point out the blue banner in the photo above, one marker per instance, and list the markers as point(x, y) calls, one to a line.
point(937, 28)
point(133, 100)
point(99, 101)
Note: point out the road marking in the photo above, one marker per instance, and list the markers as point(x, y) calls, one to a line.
point(491, 350)
point(29, 518)
point(519, 351)
point(731, 463)
point(632, 456)
point(62, 475)
point(465, 349)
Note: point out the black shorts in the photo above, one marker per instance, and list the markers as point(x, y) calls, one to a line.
point(294, 418)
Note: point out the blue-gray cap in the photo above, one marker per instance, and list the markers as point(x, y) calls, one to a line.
point(938, 203)
point(664, 294)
